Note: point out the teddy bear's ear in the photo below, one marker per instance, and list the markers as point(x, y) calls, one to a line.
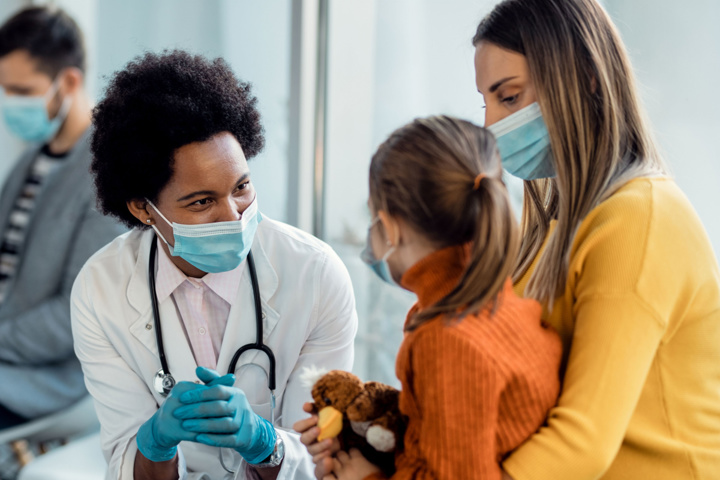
point(310, 375)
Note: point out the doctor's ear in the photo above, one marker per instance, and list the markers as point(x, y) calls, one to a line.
point(140, 209)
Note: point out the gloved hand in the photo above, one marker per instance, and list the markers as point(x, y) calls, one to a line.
point(220, 416)
point(158, 438)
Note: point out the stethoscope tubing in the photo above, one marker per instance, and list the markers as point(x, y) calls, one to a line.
point(258, 345)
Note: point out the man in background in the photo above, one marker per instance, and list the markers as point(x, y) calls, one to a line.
point(48, 223)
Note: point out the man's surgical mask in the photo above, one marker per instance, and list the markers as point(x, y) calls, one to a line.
point(27, 117)
point(379, 266)
point(214, 247)
point(524, 144)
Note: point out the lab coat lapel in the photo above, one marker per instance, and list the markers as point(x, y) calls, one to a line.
point(241, 326)
point(177, 349)
point(138, 295)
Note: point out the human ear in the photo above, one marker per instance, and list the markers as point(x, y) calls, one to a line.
point(139, 209)
point(391, 227)
point(71, 81)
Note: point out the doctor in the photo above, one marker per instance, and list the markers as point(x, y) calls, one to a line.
point(170, 146)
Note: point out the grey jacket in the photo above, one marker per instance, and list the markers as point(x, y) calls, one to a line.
point(39, 372)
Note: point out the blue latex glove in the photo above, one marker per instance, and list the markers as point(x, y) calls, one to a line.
point(158, 438)
point(221, 416)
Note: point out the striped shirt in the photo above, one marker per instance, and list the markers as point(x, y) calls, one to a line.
point(203, 304)
point(15, 233)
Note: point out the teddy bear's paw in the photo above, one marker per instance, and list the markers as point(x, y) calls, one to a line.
point(380, 438)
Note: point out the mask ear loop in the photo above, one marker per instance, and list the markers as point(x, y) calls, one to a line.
point(153, 225)
point(53, 90)
point(389, 252)
point(66, 103)
point(64, 109)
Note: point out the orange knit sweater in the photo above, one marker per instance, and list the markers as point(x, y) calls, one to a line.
point(472, 390)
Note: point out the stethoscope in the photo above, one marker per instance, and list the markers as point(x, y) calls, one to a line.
point(164, 381)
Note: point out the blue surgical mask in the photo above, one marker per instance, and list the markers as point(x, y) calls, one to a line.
point(524, 144)
point(214, 247)
point(27, 117)
point(379, 266)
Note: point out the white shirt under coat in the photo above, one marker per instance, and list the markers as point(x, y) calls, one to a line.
point(309, 319)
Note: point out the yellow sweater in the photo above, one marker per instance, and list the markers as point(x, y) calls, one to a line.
point(640, 324)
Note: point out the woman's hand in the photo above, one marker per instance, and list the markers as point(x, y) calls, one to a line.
point(322, 452)
point(352, 466)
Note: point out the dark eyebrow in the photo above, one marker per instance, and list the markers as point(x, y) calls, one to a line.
point(497, 84)
point(210, 192)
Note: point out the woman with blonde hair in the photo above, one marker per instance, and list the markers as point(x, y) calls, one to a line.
point(611, 248)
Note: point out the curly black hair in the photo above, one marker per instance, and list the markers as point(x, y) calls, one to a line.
point(155, 105)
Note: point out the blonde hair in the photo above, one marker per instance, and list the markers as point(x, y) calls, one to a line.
point(598, 132)
point(443, 176)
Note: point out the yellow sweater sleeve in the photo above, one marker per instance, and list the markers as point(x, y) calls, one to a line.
point(624, 281)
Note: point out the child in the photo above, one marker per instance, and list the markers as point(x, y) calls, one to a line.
point(478, 369)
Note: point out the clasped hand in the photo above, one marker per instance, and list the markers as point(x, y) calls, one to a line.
point(215, 414)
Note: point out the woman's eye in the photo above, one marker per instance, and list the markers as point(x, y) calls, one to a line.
point(202, 201)
point(509, 100)
point(243, 186)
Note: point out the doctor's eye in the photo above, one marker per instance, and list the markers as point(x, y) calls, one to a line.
point(202, 201)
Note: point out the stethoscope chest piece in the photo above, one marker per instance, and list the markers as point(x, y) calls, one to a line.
point(163, 383)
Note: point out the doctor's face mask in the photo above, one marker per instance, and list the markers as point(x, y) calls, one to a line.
point(213, 247)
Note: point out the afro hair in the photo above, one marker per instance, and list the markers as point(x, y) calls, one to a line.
point(155, 105)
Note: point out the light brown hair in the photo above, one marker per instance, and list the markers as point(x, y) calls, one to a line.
point(443, 177)
point(598, 131)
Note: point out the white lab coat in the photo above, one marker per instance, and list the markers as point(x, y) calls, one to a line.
point(309, 319)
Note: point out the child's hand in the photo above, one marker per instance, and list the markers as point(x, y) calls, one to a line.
point(352, 466)
point(321, 452)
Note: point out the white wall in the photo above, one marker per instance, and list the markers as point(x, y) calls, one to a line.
point(256, 42)
point(675, 49)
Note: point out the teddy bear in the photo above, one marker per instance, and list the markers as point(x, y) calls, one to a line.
point(365, 416)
